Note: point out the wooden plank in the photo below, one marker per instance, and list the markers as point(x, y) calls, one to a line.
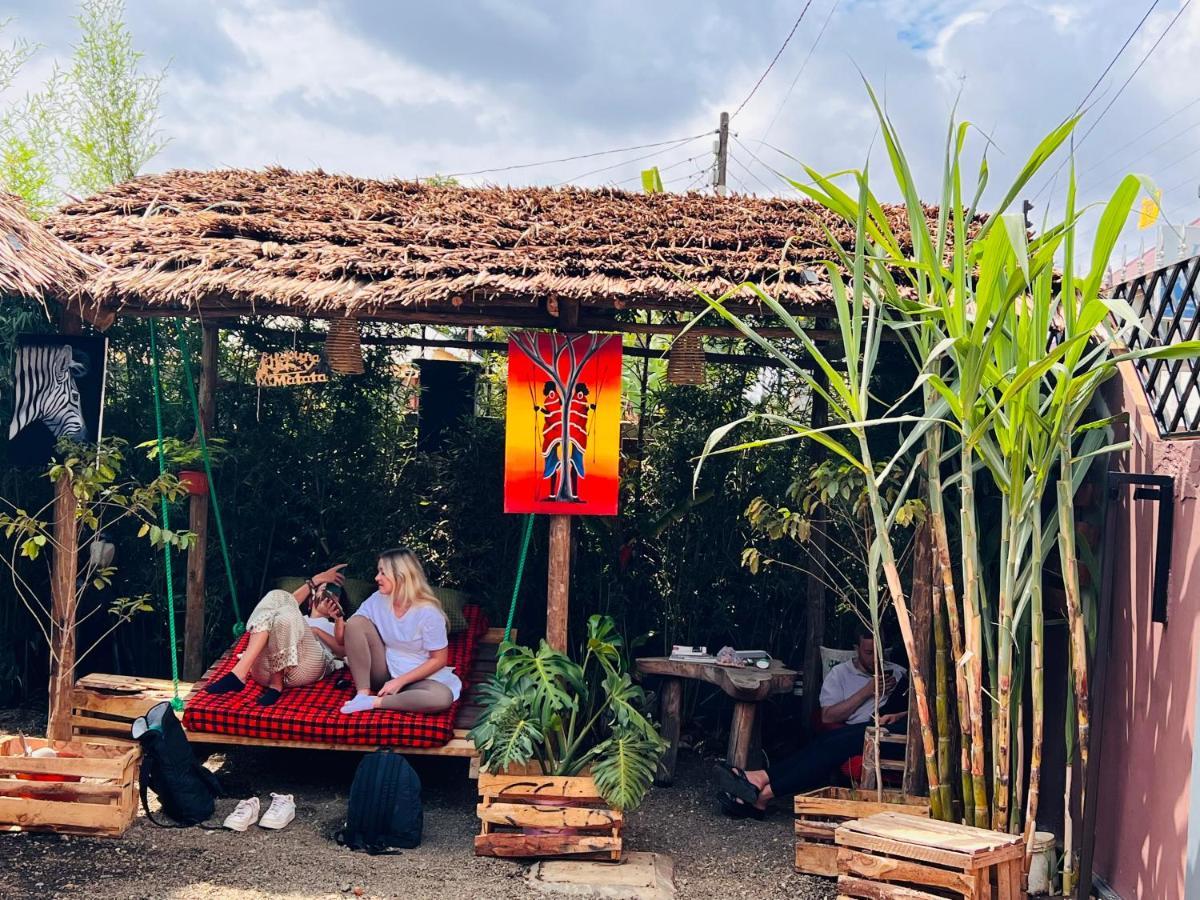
point(930, 832)
point(48, 813)
point(845, 837)
point(815, 829)
point(575, 787)
point(816, 859)
point(853, 888)
point(671, 716)
point(849, 805)
point(66, 790)
point(1010, 878)
point(526, 845)
point(880, 868)
point(527, 815)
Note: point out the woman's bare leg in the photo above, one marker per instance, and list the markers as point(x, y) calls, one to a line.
point(424, 696)
point(366, 655)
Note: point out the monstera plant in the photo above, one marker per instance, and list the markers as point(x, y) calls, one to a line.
point(571, 717)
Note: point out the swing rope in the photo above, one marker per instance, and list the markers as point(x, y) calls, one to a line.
point(512, 609)
point(176, 702)
point(239, 626)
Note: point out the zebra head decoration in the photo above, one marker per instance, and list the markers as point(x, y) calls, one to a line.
point(47, 390)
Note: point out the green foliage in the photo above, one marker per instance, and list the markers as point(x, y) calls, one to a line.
point(111, 129)
point(183, 454)
point(107, 504)
point(569, 716)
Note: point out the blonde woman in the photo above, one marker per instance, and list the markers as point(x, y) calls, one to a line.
point(396, 643)
point(286, 647)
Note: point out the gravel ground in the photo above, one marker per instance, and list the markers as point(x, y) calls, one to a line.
point(714, 857)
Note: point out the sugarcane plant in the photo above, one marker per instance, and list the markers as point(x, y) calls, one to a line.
point(1009, 346)
point(541, 706)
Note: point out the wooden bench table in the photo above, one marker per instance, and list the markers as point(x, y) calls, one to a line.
point(747, 685)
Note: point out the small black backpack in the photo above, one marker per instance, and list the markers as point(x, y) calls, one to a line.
point(186, 789)
point(385, 805)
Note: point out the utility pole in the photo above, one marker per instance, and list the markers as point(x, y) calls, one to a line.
point(722, 154)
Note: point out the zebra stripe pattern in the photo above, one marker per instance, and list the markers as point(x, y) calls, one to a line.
point(46, 390)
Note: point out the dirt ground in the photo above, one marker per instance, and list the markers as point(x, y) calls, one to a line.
point(715, 858)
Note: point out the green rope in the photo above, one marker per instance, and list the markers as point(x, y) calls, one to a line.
point(176, 702)
point(512, 609)
point(239, 626)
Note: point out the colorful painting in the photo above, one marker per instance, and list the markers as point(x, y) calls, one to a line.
point(563, 437)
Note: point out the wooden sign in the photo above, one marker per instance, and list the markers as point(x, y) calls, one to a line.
point(289, 367)
point(563, 428)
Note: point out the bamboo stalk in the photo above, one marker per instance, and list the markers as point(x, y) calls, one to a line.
point(1038, 691)
point(973, 637)
point(1079, 654)
point(1002, 724)
point(941, 705)
point(941, 552)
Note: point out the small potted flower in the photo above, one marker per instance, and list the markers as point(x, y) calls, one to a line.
point(187, 459)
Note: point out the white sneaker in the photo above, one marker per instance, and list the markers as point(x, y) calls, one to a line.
point(281, 811)
point(244, 816)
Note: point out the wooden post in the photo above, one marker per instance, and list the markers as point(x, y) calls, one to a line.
point(741, 733)
point(193, 635)
point(63, 572)
point(558, 582)
point(671, 713)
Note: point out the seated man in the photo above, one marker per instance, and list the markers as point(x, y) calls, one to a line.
point(847, 708)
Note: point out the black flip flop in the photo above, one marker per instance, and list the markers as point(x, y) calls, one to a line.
point(735, 809)
point(735, 783)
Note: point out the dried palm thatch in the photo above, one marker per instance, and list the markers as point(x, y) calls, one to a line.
point(325, 245)
point(33, 262)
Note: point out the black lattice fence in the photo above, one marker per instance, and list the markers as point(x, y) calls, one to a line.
point(1165, 300)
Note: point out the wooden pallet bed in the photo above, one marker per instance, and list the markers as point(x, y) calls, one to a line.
point(104, 706)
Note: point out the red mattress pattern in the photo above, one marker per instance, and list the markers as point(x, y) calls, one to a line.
point(313, 713)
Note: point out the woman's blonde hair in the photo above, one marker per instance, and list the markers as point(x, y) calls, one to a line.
point(403, 567)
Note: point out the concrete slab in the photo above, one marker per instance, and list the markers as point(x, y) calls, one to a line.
point(638, 876)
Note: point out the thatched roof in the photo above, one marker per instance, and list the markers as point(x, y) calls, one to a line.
point(322, 245)
point(34, 263)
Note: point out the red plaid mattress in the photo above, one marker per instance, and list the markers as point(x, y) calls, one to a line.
point(312, 713)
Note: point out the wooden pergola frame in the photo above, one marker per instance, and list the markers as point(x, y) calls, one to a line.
point(557, 314)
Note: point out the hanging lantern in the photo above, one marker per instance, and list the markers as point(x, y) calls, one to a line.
point(343, 347)
point(685, 361)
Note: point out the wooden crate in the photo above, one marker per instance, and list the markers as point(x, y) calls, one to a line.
point(892, 856)
point(820, 812)
point(527, 815)
point(91, 792)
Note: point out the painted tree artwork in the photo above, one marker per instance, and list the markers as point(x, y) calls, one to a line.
point(563, 434)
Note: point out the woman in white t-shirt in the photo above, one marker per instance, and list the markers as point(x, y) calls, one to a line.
point(288, 648)
point(396, 644)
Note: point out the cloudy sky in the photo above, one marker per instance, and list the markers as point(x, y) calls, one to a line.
point(403, 89)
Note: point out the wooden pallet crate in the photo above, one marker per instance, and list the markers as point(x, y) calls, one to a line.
point(892, 856)
point(90, 790)
point(820, 812)
point(527, 814)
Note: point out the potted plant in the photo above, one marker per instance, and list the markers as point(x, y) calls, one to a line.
point(567, 749)
point(187, 459)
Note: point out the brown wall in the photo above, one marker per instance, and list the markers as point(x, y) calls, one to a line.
point(1147, 738)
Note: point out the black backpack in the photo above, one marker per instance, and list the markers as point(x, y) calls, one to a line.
point(385, 805)
point(186, 789)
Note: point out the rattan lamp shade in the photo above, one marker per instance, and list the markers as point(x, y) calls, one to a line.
point(685, 362)
point(343, 348)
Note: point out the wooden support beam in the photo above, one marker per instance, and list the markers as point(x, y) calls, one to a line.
point(63, 573)
point(558, 582)
point(193, 635)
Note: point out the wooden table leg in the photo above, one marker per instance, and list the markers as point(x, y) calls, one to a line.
point(741, 732)
point(671, 713)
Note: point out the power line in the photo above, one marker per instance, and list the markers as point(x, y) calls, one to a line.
point(1145, 133)
point(1137, 69)
point(774, 59)
point(787, 181)
point(803, 66)
point(625, 162)
point(1151, 151)
point(661, 169)
point(1107, 69)
point(549, 162)
point(1112, 62)
point(770, 191)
